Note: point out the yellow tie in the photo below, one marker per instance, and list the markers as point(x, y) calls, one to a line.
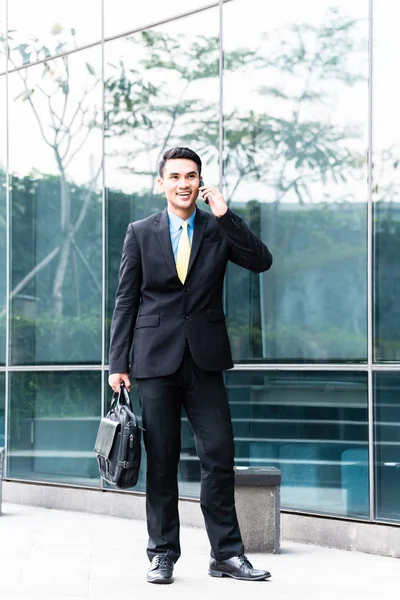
point(183, 254)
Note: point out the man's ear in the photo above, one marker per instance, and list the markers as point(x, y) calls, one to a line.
point(161, 183)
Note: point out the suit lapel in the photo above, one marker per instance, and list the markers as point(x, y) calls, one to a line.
point(164, 237)
point(200, 223)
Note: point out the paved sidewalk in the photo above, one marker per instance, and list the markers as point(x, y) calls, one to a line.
point(69, 555)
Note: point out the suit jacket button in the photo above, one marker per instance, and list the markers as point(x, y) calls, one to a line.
point(185, 289)
point(185, 317)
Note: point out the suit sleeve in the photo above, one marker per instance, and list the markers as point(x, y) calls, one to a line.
point(126, 304)
point(246, 249)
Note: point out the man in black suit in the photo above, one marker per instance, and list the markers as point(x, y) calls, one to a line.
point(169, 303)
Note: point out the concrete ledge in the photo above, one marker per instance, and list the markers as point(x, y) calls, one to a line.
point(128, 505)
point(372, 538)
point(1, 474)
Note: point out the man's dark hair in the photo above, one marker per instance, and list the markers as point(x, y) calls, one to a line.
point(179, 152)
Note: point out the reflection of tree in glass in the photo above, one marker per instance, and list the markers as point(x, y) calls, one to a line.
point(286, 152)
point(286, 136)
point(286, 139)
point(296, 146)
point(386, 190)
point(295, 142)
point(65, 128)
point(153, 99)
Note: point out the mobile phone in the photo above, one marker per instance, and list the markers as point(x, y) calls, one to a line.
point(201, 184)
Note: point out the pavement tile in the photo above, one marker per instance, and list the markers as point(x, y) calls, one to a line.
point(63, 555)
point(38, 595)
point(70, 588)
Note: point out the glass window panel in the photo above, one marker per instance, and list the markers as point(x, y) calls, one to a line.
point(386, 188)
point(45, 28)
point(121, 16)
point(3, 58)
point(387, 445)
point(2, 409)
point(3, 200)
point(313, 427)
point(189, 464)
point(295, 104)
point(53, 422)
point(56, 179)
point(161, 90)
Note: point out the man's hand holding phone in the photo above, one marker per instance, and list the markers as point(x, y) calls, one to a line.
point(214, 199)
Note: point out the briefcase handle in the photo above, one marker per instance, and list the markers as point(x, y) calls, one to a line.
point(117, 397)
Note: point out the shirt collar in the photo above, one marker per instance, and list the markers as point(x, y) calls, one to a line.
point(176, 222)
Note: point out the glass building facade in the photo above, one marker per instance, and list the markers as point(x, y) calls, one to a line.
point(293, 108)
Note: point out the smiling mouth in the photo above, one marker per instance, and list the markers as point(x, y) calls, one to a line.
point(184, 195)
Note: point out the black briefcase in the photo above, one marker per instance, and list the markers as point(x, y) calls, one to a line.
point(118, 443)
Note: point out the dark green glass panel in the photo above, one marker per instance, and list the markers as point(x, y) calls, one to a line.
point(56, 213)
point(53, 422)
point(295, 130)
point(2, 409)
point(313, 426)
point(387, 445)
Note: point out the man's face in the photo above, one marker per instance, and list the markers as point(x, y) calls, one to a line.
point(180, 182)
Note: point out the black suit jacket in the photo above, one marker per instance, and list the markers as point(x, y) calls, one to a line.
point(158, 313)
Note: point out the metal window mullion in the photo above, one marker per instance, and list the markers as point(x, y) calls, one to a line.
point(370, 240)
point(221, 97)
point(8, 265)
point(221, 171)
point(43, 368)
point(170, 19)
point(103, 229)
point(386, 367)
point(302, 367)
point(123, 34)
point(103, 211)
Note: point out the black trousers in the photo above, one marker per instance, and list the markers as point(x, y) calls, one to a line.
point(203, 396)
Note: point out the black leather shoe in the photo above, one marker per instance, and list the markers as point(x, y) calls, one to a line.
point(161, 569)
point(238, 567)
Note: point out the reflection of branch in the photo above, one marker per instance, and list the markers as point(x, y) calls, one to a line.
point(235, 187)
point(62, 134)
point(88, 132)
point(71, 135)
point(24, 79)
point(52, 113)
point(242, 173)
point(78, 108)
point(287, 188)
point(66, 94)
point(296, 114)
point(174, 117)
point(43, 263)
point(76, 282)
point(24, 282)
point(68, 127)
point(77, 132)
point(67, 147)
point(87, 265)
point(86, 202)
